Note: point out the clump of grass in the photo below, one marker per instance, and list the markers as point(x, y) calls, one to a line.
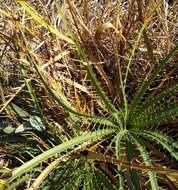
point(102, 83)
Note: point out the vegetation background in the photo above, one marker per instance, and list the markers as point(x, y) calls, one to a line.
point(88, 94)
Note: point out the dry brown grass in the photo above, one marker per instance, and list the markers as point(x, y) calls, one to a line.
point(107, 32)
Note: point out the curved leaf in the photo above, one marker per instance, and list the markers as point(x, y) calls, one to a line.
point(93, 136)
point(147, 161)
point(167, 142)
point(154, 74)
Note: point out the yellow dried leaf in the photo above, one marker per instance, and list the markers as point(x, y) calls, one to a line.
point(102, 29)
point(38, 18)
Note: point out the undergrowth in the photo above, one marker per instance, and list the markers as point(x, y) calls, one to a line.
point(88, 95)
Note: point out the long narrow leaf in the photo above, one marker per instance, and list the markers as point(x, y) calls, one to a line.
point(99, 89)
point(147, 161)
point(147, 84)
point(38, 18)
point(93, 136)
point(167, 142)
point(70, 109)
point(134, 173)
point(158, 98)
point(118, 138)
point(156, 117)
